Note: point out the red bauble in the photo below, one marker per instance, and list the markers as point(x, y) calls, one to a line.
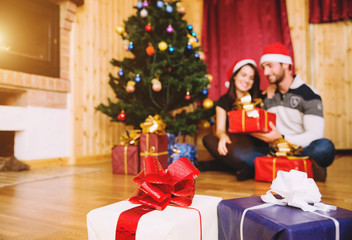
point(148, 27)
point(122, 116)
point(150, 50)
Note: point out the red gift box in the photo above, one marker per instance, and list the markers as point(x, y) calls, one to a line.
point(240, 122)
point(153, 145)
point(125, 159)
point(266, 167)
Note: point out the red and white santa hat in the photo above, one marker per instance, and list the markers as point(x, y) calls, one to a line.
point(238, 64)
point(276, 52)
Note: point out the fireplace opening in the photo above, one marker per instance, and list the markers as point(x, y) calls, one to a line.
point(29, 36)
point(7, 142)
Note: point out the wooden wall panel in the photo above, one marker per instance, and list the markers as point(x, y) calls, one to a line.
point(320, 59)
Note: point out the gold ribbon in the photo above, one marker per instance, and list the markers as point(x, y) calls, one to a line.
point(130, 137)
point(245, 103)
point(153, 125)
point(282, 148)
point(125, 157)
point(151, 151)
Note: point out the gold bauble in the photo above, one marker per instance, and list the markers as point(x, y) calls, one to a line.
point(120, 29)
point(162, 46)
point(208, 103)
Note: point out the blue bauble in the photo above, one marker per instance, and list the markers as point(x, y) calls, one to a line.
point(137, 78)
point(169, 9)
point(160, 4)
point(139, 5)
point(189, 46)
point(190, 27)
point(205, 91)
point(194, 34)
point(120, 73)
point(211, 122)
point(130, 46)
point(171, 49)
point(196, 55)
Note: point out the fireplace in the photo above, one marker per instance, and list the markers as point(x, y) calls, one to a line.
point(34, 105)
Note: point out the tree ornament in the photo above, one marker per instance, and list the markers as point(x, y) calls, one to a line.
point(208, 103)
point(160, 4)
point(205, 91)
point(169, 29)
point(205, 124)
point(150, 50)
point(180, 8)
point(120, 73)
point(209, 76)
point(125, 44)
point(148, 27)
point(211, 121)
point(162, 46)
point(156, 85)
point(193, 41)
point(130, 46)
point(137, 78)
point(144, 13)
point(196, 55)
point(130, 86)
point(139, 5)
point(171, 49)
point(189, 46)
point(188, 96)
point(190, 27)
point(122, 116)
point(201, 55)
point(169, 9)
point(120, 29)
point(145, 3)
point(194, 34)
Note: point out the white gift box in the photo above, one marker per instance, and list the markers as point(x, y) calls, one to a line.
point(173, 223)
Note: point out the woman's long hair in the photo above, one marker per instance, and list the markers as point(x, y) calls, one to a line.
point(254, 91)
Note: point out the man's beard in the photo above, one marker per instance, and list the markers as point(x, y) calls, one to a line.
point(278, 77)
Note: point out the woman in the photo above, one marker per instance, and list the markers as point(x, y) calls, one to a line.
point(230, 149)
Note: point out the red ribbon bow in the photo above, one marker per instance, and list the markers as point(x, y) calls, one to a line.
point(159, 187)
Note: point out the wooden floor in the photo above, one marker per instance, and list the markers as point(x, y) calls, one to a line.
point(57, 208)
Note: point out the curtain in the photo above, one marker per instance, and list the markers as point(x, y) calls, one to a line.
point(324, 11)
point(234, 29)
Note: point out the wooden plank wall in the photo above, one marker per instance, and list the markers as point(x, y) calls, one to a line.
point(321, 58)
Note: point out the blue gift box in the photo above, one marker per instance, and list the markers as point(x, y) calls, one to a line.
point(178, 150)
point(254, 219)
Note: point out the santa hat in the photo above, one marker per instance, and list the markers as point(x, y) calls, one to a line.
point(276, 52)
point(238, 64)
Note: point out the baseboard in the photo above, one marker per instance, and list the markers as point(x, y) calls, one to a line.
point(93, 159)
point(47, 162)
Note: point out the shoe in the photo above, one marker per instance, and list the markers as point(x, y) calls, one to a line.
point(245, 174)
point(319, 172)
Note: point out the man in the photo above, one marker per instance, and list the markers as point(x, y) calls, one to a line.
point(299, 111)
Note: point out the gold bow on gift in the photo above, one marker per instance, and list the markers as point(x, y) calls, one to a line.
point(282, 148)
point(248, 105)
point(130, 137)
point(153, 125)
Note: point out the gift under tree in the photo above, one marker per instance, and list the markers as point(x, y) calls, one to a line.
point(165, 73)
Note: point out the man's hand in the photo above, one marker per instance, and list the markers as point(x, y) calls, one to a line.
point(268, 137)
point(270, 91)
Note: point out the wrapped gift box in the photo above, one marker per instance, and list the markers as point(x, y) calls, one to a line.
point(179, 150)
point(125, 159)
point(266, 167)
point(240, 122)
point(155, 146)
point(171, 223)
point(269, 221)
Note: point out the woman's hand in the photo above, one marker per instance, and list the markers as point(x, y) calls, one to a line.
point(222, 148)
point(270, 91)
point(268, 137)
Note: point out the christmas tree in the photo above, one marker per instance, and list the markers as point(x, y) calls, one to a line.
point(165, 74)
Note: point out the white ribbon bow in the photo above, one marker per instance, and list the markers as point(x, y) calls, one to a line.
point(296, 190)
